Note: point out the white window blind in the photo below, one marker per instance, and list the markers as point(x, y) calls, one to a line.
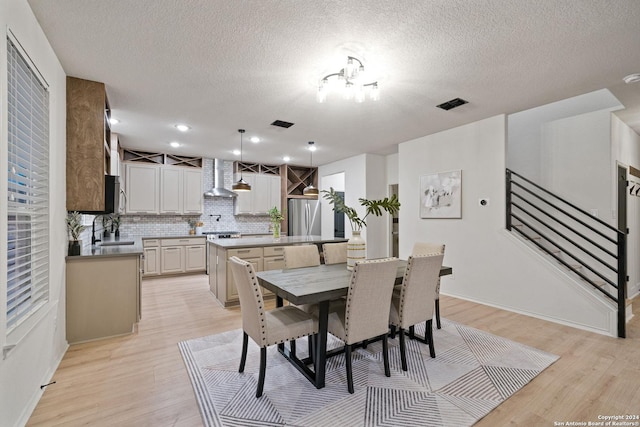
point(28, 189)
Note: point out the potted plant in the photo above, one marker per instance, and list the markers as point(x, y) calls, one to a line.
point(115, 225)
point(107, 220)
point(75, 228)
point(276, 218)
point(356, 247)
point(192, 225)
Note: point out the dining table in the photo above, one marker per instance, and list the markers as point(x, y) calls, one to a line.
point(315, 285)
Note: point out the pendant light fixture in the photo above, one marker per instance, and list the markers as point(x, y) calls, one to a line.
point(241, 185)
point(310, 190)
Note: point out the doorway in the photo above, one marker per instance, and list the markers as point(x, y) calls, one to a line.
point(395, 233)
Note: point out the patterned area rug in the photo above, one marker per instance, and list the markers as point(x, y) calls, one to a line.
point(473, 372)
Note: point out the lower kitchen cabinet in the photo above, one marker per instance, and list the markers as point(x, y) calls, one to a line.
point(172, 260)
point(102, 297)
point(195, 258)
point(151, 257)
point(174, 256)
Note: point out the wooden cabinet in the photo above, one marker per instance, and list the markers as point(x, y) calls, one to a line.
point(151, 257)
point(142, 188)
point(158, 189)
point(102, 297)
point(174, 255)
point(88, 145)
point(264, 194)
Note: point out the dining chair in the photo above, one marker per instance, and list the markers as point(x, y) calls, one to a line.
point(364, 314)
point(414, 303)
point(301, 256)
point(265, 327)
point(421, 248)
point(335, 253)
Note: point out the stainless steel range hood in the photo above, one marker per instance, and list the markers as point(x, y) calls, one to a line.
point(218, 189)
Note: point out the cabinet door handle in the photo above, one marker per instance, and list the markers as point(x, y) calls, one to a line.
point(244, 251)
point(278, 259)
point(183, 241)
point(278, 249)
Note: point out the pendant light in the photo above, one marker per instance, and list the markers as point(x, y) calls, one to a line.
point(310, 190)
point(241, 185)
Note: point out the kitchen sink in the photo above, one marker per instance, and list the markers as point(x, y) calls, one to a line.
point(117, 243)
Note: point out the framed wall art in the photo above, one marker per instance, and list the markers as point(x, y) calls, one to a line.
point(441, 195)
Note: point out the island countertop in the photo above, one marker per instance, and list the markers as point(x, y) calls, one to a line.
point(258, 242)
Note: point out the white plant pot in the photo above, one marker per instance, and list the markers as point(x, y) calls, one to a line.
point(356, 249)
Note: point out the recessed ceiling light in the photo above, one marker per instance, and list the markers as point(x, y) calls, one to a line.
point(175, 144)
point(236, 152)
point(312, 148)
point(114, 121)
point(182, 128)
point(286, 158)
point(255, 139)
point(632, 78)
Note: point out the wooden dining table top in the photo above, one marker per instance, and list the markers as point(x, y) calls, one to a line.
point(321, 283)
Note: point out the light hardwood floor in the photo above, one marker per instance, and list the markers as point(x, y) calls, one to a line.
point(140, 379)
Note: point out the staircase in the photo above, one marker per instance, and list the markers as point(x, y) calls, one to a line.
point(585, 246)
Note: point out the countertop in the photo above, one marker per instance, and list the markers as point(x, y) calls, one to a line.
point(90, 251)
point(253, 242)
point(123, 250)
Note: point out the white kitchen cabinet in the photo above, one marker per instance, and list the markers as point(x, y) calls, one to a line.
point(151, 263)
point(264, 194)
point(174, 255)
point(192, 191)
point(172, 259)
point(171, 190)
point(142, 188)
point(195, 258)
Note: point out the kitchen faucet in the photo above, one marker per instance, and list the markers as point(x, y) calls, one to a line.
point(93, 231)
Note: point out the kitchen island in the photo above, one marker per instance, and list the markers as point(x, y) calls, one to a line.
point(265, 253)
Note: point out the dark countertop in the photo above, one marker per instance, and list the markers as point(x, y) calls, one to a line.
point(253, 242)
point(97, 250)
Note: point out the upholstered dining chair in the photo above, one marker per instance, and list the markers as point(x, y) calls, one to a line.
point(265, 327)
point(420, 248)
point(414, 303)
point(335, 253)
point(301, 256)
point(364, 313)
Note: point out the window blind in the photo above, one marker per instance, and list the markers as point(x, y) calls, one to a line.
point(28, 189)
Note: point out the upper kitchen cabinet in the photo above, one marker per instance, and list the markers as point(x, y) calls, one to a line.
point(142, 189)
point(265, 189)
point(163, 184)
point(88, 145)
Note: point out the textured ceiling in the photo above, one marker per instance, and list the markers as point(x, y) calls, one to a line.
point(223, 65)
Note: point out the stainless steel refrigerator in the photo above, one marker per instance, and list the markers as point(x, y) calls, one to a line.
point(304, 217)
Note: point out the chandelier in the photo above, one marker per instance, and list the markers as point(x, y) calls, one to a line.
point(354, 87)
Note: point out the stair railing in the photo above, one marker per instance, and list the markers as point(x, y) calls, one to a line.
point(547, 219)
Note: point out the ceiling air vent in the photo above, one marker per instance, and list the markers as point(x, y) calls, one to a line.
point(282, 124)
point(452, 104)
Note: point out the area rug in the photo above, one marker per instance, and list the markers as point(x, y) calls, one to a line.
point(473, 372)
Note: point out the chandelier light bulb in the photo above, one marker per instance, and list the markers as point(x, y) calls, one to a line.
point(355, 85)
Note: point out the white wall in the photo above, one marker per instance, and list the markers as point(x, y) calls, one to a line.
point(392, 169)
point(37, 353)
point(625, 149)
point(576, 161)
point(364, 176)
point(490, 265)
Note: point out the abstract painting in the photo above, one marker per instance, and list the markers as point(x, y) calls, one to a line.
point(441, 195)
